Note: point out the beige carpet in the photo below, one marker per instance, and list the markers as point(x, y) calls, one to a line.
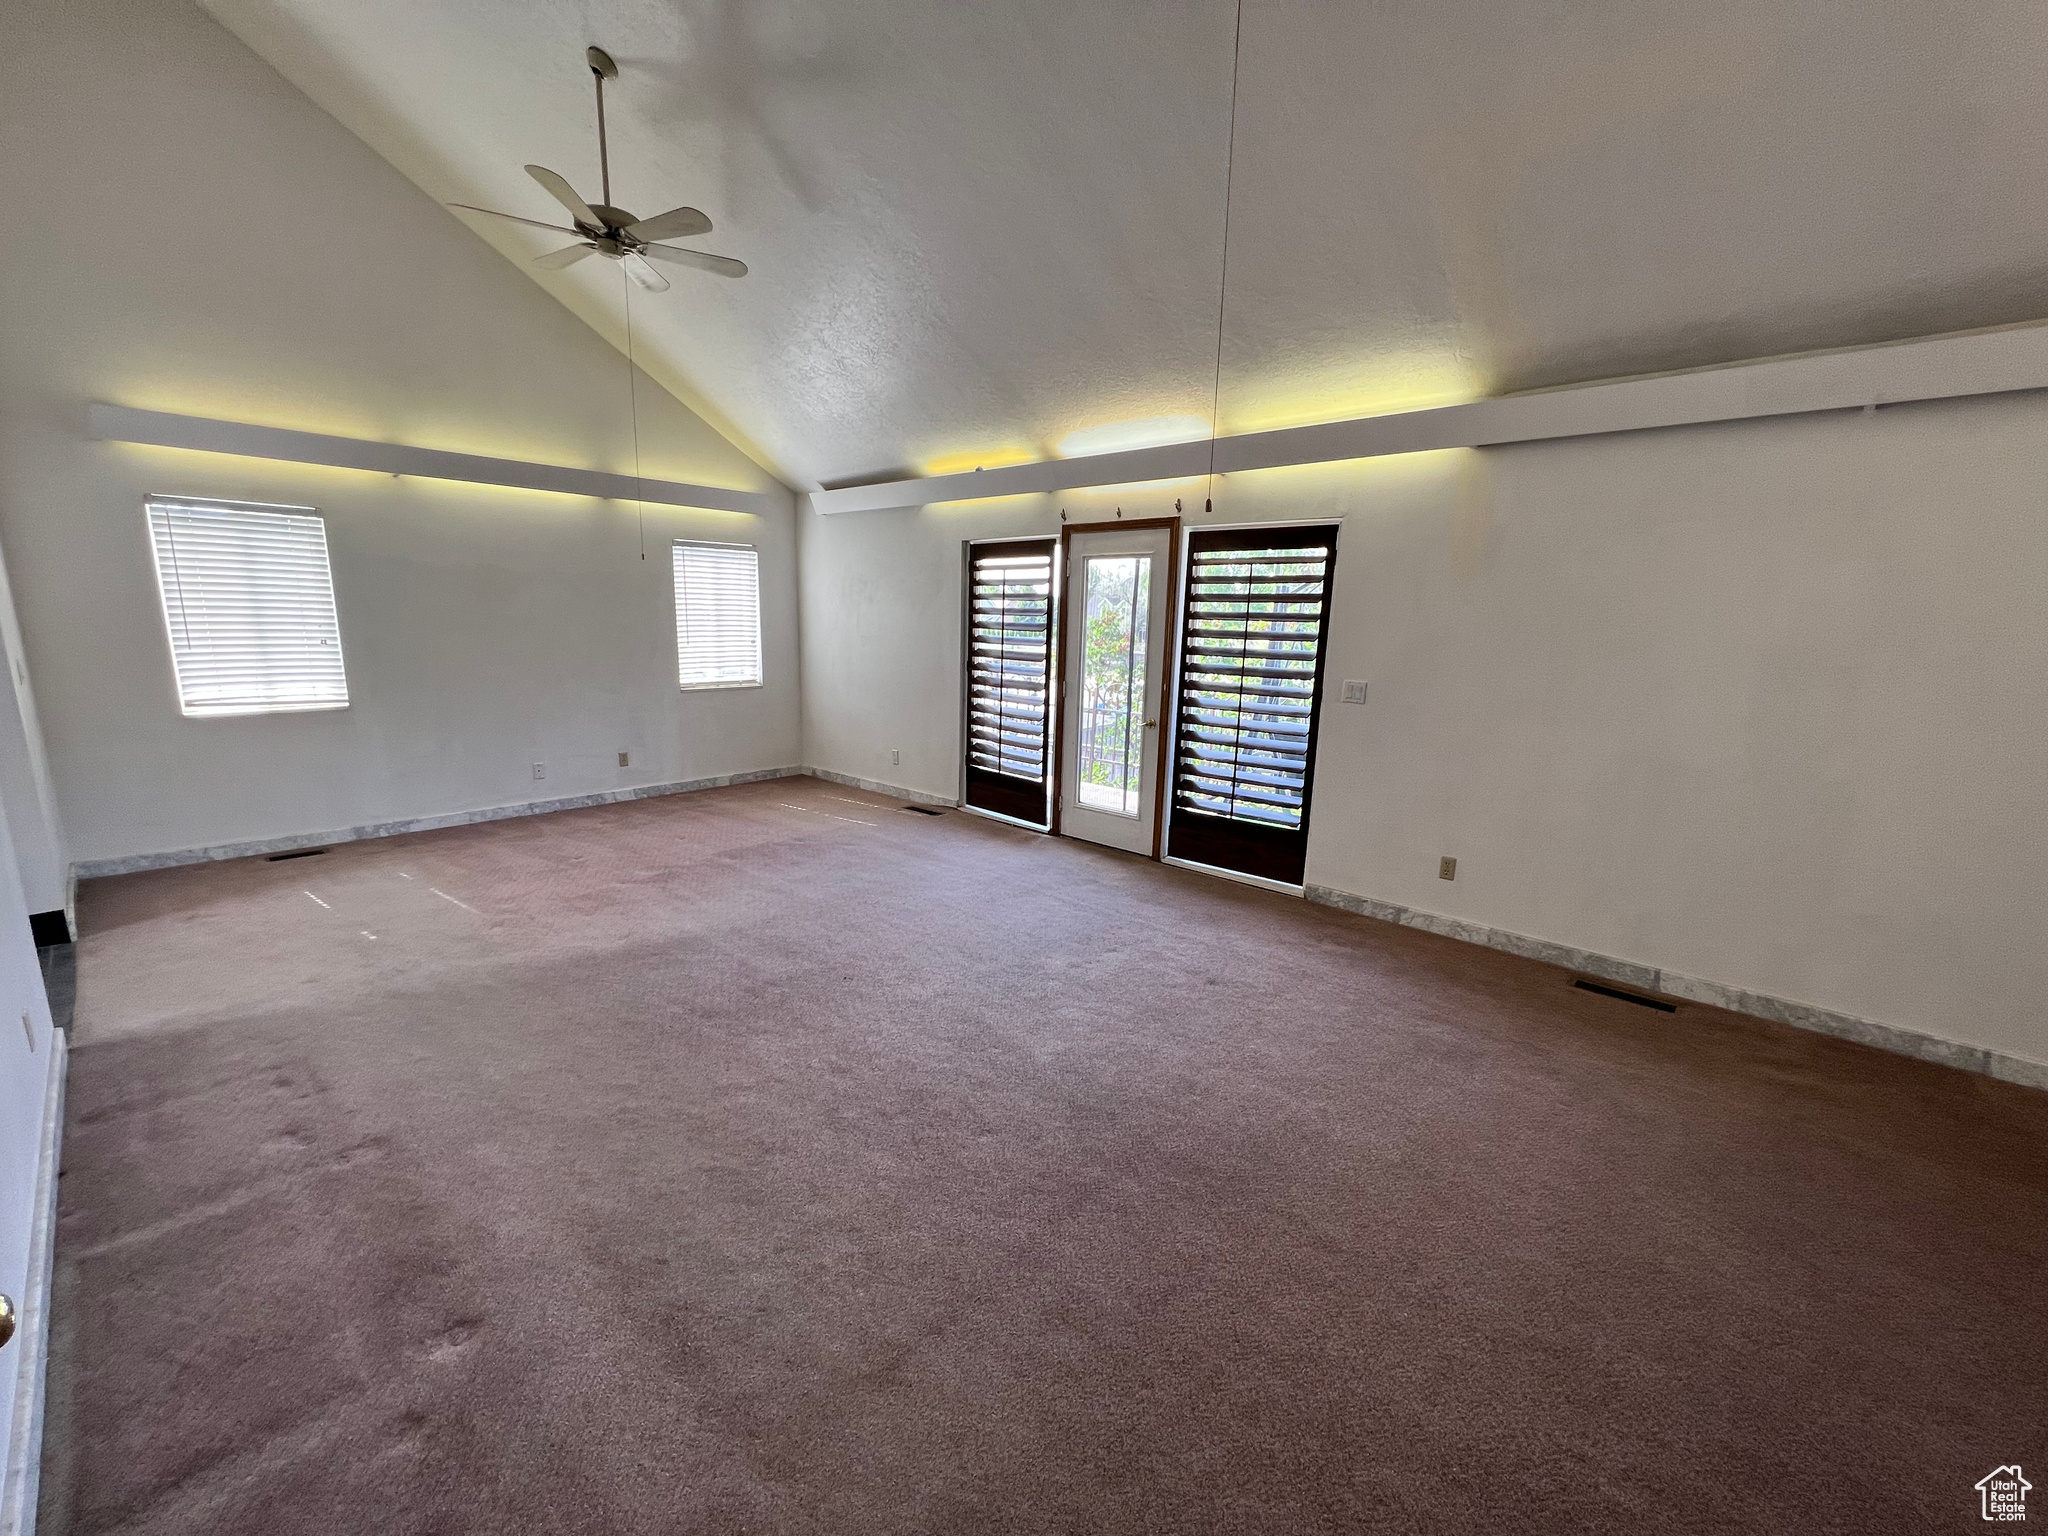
point(774, 1160)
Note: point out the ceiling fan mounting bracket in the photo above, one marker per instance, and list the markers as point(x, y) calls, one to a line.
point(601, 63)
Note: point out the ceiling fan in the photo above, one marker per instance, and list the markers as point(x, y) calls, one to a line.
point(603, 230)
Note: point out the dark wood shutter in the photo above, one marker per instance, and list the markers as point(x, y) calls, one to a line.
point(1009, 667)
point(1251, 683)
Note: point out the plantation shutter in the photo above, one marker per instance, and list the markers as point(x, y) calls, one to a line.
point(249, 602)
point(718, 615)
point(1251, 669)
point(1009, 667)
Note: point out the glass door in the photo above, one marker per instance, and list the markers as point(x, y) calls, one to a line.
point(1113, 668)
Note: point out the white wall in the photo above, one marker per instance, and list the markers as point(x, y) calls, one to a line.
point(1762, 703)
point(238, 254)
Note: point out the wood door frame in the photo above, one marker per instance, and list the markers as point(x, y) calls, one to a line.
point(1167, 671)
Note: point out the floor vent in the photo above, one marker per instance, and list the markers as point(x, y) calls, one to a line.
point(924, 810)
point(296, 853)
point(1627, 997)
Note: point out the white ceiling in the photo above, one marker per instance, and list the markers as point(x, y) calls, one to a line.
point(978, 229)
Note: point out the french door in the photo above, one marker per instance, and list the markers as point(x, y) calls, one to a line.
point(1251, 682)
point(1071, 645)
point(1114, 629)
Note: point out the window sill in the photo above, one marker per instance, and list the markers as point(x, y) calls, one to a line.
point(710, 687)
point(268, 709)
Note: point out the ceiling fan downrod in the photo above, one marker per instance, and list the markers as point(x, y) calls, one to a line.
point(602, 69)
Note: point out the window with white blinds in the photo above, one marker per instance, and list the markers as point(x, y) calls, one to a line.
point(718, 615)
point(249, 603)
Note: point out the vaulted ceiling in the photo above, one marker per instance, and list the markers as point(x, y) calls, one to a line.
point(981, 231)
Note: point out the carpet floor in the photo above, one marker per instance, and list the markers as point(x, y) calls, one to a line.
point(772, 1159)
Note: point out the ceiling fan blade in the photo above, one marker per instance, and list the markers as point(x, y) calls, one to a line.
point(643, 274)
point(565, 194)
point(560, 229)
point(668, 226)
point(704, 261)
point(568, 255)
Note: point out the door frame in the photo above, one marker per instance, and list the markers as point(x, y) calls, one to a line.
point(1169, 671)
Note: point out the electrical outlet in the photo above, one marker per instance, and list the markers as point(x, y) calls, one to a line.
point(895, 757)
point(625, 759)
point(1354, 692)
point(1447, 869)
point(540, 770)
point(29, 1029)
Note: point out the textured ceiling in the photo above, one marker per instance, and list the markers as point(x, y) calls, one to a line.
point(979, 229)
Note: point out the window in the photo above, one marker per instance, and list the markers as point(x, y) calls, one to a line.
point(1009, 662)
point(1110, 760)
point(1251, 683)
point(249, 603)
point(718, 615)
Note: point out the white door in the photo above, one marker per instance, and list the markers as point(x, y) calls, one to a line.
point(1115, 648)
point(29, 1078)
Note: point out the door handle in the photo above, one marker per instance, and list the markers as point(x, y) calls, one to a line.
point(1149, 724)
point(7, 1319)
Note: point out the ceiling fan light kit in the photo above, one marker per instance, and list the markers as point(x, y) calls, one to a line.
point(602, 229)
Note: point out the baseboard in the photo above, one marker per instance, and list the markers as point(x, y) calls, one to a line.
point(877, 787)
point(1886, 1037)
point(25, 1448)
point(1008, 821)
point(93, 869)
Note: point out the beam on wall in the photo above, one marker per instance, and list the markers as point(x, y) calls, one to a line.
point(120, 423)
point(1933, 368)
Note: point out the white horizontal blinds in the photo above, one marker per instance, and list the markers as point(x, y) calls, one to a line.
point(1009, 661)
point(1250, 666)
point(718, 615)
point(249, 601)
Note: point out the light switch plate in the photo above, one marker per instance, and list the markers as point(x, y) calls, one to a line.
point(1354, 692)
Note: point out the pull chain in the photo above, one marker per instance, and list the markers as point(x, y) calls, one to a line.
point(633, 409)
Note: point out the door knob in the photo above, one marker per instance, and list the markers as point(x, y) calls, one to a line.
point(6, 1319)
point(1150, 723)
